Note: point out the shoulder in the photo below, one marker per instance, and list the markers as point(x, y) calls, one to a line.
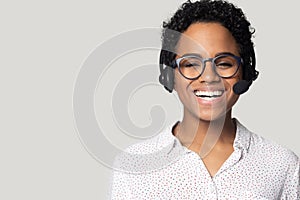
point(156, 143)
point(267, 151)
point(265, 157)
point(150, 154)
point(274, 150)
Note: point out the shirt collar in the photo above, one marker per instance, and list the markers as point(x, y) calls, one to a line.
point(242, 137)
point(241, 141)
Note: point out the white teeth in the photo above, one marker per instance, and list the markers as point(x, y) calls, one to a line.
point(216, 93)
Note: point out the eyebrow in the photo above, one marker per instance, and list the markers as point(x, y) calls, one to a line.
point(199, 55)
point(221, 53)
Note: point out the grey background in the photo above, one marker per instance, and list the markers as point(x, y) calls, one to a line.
point(44, 43)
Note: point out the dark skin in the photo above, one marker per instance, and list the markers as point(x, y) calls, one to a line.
point(207, 115)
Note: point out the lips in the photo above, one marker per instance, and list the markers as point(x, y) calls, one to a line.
point(209, 96)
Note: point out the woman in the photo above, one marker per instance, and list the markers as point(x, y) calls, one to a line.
point(208, 154)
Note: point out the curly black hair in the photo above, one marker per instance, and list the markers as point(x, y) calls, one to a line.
point(218, 11)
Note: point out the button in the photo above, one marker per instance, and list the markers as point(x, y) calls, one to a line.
point(212, 188)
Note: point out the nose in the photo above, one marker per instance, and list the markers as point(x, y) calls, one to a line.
point(209, 74)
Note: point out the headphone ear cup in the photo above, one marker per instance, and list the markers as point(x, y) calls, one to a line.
point(166, 78)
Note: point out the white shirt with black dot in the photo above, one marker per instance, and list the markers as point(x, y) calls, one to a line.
point(161, 168)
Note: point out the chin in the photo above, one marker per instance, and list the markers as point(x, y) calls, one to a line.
point(212, 118)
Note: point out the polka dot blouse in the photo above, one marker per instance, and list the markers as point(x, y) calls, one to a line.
point(161, 168)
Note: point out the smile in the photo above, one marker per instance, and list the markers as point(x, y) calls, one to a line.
point(208, 95)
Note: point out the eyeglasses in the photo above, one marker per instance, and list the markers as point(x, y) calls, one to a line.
point(224, 65)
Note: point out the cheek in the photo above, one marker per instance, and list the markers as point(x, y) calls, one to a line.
point(231, 96)
point(232, 81)
point(239, 74)
point(179, 82)
point(181, 86)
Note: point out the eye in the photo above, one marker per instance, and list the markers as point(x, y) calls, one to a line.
point(190, 62)
point(224, 65)
point(225, 62)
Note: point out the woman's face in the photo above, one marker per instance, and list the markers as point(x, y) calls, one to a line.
point(209, 97)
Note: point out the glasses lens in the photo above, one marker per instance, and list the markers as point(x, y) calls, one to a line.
point(191, 67)
point(226, 66)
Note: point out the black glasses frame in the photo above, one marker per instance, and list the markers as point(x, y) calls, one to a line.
point(212, 60)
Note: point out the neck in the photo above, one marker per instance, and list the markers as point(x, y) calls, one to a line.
point(197, 134)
